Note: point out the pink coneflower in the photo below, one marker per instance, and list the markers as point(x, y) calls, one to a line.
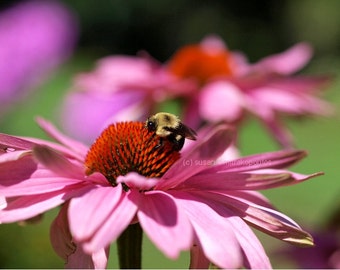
point(227, 86)
point(35, 36)
point(181, 200)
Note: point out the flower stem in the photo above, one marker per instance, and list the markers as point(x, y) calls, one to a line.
point(130, 247)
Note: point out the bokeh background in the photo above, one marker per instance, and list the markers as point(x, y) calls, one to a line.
point(258, 28)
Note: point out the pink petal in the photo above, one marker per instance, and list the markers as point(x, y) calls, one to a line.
point(100, 201)
point(3, 202)
point(79, 119)
point(73, 255)
point(26, 207)
point(16, 171)
point(197, 258)
point(58, 163)
point(114, 225)
point(213, 43)
point(13, 156)
point(281, 228)
point(287, 62)
point(135, 180)
point(255, 255)
point(61, 238)
point(274, 160)
point(221, 101)
point(235, 181)
point(81, 260)
point(191, 110)
point(37, 186)
point(250, 197)
point(215, 235)
point(292, 95)
point(15, 143)
point(257, 180)
point(208, 148)
point(279, 131)
point(164, 223)
point(76, 146)
point(268, 221)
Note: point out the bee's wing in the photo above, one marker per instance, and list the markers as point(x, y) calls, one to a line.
point(189, 133)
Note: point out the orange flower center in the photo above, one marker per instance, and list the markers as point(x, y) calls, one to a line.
point(194, 61)
point(129, 147)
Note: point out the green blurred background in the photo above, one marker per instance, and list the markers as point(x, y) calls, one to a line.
point(258, 28)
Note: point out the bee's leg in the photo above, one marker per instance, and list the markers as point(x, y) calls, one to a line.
point(160, 144)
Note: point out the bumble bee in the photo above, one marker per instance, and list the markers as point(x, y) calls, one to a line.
point(169, 126)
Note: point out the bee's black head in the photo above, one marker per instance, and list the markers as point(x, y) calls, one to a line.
point(151, 125)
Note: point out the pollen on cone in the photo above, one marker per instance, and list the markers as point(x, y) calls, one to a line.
point(130, 147)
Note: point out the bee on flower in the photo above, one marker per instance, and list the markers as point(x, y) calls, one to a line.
point(131, 176)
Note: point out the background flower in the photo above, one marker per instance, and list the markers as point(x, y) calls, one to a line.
point(227, 86)
point(120, 88)
point(36, 37)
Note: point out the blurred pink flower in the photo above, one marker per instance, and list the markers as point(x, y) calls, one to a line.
point(120, 88)
point(35, 37)
point(196, 203)
point(226, 85)
point(324, 255)
point(326, 252)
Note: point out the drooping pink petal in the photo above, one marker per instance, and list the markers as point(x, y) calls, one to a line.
point(279, 131)
point(267, 220)
point(172, 232)
point(208, 149)
point(255, 255)
point(197, 258)
point(269, 224)
point(73, 255)
point(275, 160)
point(287, 62)
point(114, 225)
point(216, 237)
point(61, 238)
point(99, 202)
point(81, 260)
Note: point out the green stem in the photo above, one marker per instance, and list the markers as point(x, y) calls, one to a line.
point(130, 247)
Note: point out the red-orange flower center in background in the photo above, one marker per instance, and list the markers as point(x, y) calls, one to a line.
point(130, 147)
point(195, 61)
